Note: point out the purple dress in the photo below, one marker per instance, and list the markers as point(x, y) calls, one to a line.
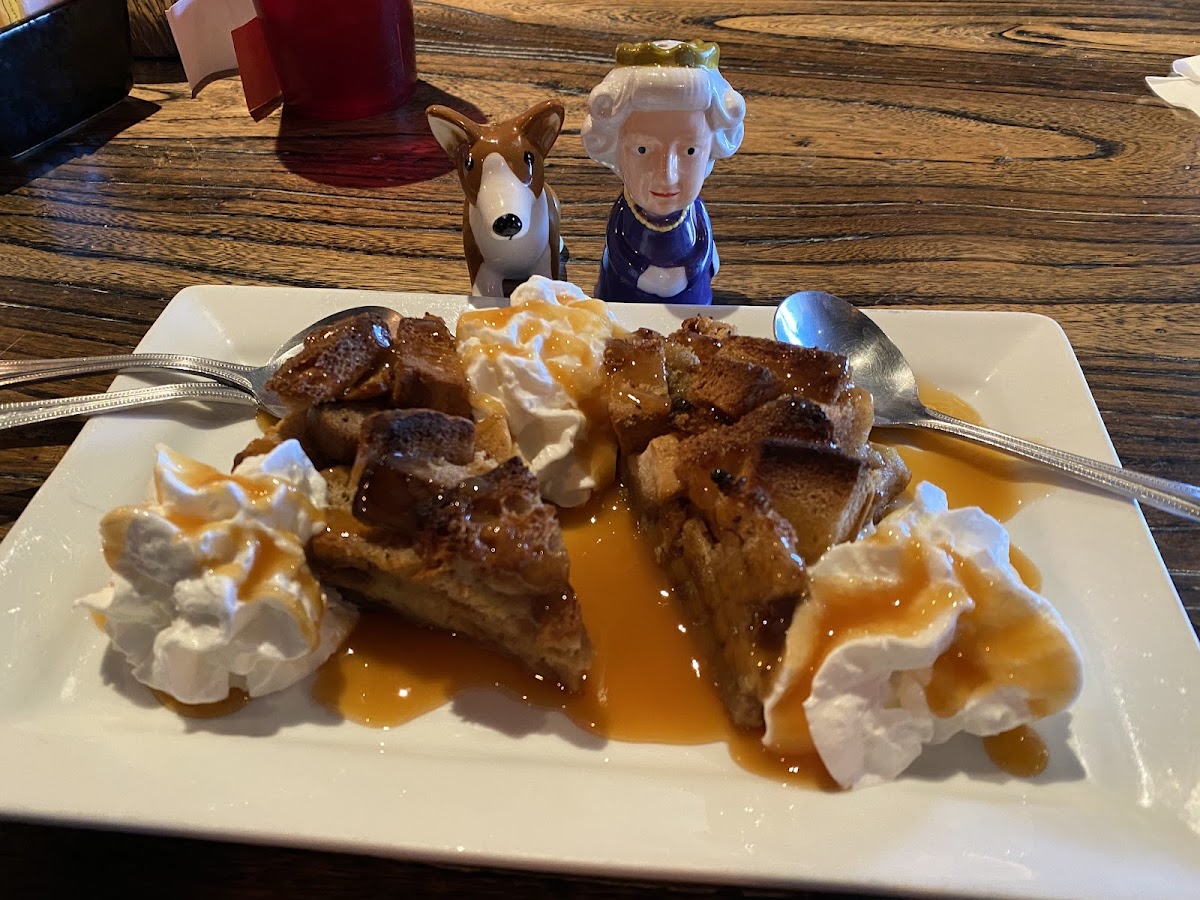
point(681, 240)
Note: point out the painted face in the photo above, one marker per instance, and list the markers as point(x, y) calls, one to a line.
point(664, 158)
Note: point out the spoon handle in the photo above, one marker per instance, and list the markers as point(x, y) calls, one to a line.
point(14, 415)
point(1170, 496)
point(22, 371)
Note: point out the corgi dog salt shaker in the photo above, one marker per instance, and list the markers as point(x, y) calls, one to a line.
point(510, 214)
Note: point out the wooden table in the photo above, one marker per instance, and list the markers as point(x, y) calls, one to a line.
point(952, 155)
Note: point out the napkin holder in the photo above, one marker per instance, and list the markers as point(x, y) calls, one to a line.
point(59, 67)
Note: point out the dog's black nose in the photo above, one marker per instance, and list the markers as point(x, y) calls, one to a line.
point(507, 225)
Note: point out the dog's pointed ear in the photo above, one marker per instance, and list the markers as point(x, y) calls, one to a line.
point(451, 129)
point(542, 123)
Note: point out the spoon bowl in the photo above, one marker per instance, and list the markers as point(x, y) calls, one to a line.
point(822, 320)
point(818, 319)
point(251, 380)
point(258, 377)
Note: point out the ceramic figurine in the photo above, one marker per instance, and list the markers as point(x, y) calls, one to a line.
point(658, 120)
point(510, 215)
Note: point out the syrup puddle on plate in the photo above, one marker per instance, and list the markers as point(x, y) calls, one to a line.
point(971, 475)
point(648, 681)
point(236, 700)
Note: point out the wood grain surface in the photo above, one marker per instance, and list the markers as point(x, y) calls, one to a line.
point(149, 33)
point(950, 155)
point(11, 11)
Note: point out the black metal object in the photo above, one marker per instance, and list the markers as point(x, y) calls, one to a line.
point(60, 68)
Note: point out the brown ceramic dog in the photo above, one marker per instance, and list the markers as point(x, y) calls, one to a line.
point(510, 215)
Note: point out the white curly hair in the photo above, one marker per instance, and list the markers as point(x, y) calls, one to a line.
point(629, 88)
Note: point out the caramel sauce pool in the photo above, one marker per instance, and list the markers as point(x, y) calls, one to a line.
point(236, 700)
point(1020, 752)
point(970, 475)
point(390, 671)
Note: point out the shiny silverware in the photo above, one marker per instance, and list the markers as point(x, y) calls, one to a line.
point(818, 319)
point(252, 380)
point(29, 412)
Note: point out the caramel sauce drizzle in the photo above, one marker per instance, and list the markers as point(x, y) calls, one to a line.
point(274, 560)
point(1001, 485)
point(545, 332)
point(988, 640)
point(902, 609)
point(271, 563)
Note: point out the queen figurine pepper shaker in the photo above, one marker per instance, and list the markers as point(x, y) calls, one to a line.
point(658, 120)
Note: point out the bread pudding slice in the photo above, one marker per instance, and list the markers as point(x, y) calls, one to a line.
point(733, 562)
point(454, 541)
point(759, 463)
point(420, 519)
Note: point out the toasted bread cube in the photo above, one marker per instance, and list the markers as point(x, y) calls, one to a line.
point(427, 371)
point(346, 361)
point(635, 389)
point(826, 495)
point(652, 473)
point(814, 374)
point(732, 387)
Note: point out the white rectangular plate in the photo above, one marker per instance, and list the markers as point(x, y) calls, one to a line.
point(1116, 814)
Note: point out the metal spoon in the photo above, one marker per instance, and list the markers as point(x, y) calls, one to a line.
point(818, 319)
point(244, 384)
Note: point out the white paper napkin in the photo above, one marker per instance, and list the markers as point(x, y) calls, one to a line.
point(201, 29)
point(1181, 88)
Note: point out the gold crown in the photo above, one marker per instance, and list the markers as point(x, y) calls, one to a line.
point(692, 55)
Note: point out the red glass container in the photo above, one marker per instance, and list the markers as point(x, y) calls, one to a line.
point(341, 59)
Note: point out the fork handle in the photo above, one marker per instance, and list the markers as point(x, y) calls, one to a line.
point(22, 371)
point(29, 412)
point(1170, 496)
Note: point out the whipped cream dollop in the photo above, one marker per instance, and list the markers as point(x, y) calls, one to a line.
point(913, 634)
point(538, 364)
point(211, 590)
